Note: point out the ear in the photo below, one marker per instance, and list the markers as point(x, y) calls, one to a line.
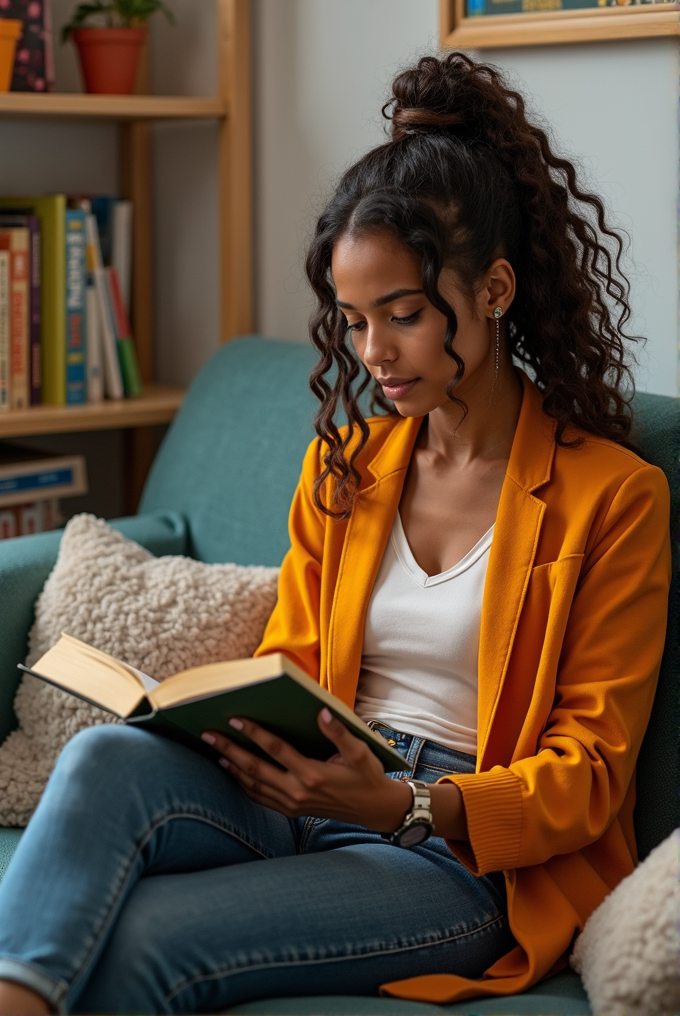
point(498, 288)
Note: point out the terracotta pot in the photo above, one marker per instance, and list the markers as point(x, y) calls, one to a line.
point(10, 31)
point(109, 58)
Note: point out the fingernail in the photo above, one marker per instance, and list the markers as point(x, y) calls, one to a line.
point(208, 738)
point(326, 715)
point(236, 724)
point(224, 763)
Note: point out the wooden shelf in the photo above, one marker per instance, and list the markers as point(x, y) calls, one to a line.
point(157, 405)
point(66, 105)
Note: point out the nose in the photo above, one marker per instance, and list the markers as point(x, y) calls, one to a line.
point(378, 347)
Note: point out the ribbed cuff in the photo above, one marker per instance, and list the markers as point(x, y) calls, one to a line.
point(54, 992)
point(493, 808)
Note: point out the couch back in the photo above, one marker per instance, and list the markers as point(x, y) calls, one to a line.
point(230, 463)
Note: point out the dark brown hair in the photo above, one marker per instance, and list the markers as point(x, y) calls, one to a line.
point(465, 179)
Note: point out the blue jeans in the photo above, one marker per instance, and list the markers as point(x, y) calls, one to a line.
point(147, 882)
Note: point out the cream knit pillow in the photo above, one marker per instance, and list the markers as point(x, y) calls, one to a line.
point(161, 615)
point(629, 951)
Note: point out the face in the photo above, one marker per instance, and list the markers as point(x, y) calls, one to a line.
point(399, 335)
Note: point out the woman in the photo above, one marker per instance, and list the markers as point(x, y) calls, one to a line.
point(481, 571)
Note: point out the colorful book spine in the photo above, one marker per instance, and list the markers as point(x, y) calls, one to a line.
point(126, 347)
point(95, 367)
point(4, 329)
point(27, 519)
point(113, 381)
point(121, 249)
point(34, 59)
point(36, 324)
point(16, 240)
point(51, 211)
point(76, 285)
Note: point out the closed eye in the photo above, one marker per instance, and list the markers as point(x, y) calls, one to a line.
point(409, 320)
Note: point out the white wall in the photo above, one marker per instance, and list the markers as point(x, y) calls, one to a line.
point(322, 71)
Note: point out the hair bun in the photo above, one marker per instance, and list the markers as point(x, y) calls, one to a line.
point(417, 121)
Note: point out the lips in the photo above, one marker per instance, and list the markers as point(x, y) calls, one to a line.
point(396, 389)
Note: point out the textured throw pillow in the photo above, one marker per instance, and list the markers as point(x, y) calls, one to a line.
point(628, 954)
point(161, 615)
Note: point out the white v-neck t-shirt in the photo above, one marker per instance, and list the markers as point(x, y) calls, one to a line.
point(421, 645)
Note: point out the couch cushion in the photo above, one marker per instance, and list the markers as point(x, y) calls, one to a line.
point(232, 457)
point(657, 812)
point(562, 995)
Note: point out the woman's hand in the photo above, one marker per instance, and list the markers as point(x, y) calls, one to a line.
point(350, 787)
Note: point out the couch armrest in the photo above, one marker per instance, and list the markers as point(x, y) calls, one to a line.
point(25, 564)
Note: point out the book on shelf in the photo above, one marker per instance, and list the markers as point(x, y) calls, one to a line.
point(127, 355)
point(270, 690)
point(34, 57)
point(5, 331)
point(76, 307)
point(27, 519)
point(16, 240)
point(65, 337)
point(51, 213)
point(27, 474)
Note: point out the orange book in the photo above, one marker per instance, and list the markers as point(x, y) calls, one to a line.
point(17, 241)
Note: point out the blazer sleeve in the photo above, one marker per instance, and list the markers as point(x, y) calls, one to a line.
point(565, 797)
point(294, 626)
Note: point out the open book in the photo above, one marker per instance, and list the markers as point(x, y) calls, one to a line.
point(270, 690)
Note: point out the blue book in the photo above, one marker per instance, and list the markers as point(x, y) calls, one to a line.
point(76, 287)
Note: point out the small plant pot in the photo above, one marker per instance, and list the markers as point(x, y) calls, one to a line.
point(109, 58)
point(10, 30)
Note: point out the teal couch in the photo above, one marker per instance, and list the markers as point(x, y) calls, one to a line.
point(219, 490)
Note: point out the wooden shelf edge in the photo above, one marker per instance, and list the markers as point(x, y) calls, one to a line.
point(541, 32)
point(157, 405)
point(110, 107)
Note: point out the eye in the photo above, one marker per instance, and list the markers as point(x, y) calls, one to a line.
point(409, 320)
point(358, 326)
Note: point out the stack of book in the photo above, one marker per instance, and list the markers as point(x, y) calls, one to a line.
point(31, 483)
point(65, 276)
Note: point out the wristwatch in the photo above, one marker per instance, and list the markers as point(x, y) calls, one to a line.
point(418, 825)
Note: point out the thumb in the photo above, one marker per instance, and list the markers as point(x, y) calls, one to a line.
point(351, 748)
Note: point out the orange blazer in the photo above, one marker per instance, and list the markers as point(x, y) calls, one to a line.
point(572, 632)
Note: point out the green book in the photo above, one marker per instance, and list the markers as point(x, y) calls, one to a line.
point(270, 690)
point(51, 210)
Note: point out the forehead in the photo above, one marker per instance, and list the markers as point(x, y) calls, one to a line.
point(368, 266)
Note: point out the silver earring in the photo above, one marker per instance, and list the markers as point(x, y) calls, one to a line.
point(498, 314)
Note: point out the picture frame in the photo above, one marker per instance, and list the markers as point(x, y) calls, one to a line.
point(474, 24)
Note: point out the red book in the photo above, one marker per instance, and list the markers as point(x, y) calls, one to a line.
point(17, 242)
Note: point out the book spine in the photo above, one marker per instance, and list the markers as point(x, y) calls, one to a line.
point(19, 317)
point(36, 269)
point(126, 348)
point(113, 382)
point(95, 367)
point(4, 330)
point(76, 280)
point(42, 480)
point(121, 250)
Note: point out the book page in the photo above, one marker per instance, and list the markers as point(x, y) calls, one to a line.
point(92, 675)
point(214, 678)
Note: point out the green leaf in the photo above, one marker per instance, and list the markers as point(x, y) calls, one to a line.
point(127, 13)
point(81, 15)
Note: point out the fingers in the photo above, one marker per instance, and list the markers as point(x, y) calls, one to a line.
point(352, 749)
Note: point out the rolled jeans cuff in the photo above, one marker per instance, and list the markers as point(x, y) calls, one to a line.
point(28, 976)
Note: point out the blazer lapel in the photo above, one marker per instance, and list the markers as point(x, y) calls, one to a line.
point(365, 540)
point(518, 526)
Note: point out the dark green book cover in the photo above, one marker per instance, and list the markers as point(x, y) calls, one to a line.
point(287, 704)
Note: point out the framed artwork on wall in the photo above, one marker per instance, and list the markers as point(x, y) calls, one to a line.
point(480, 24)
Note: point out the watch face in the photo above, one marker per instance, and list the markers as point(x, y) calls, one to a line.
point(415, 834)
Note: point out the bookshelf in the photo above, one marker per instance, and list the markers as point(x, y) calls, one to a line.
point(135, 115)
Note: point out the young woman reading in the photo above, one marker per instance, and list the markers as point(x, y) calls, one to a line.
point(480, 570)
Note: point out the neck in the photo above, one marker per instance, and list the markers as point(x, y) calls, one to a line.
point(488, 429)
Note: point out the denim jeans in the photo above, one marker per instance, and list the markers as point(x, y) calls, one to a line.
point(148, 882)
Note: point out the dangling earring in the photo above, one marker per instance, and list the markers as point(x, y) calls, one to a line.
point(498, 314)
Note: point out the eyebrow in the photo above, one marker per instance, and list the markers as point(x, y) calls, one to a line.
point(382, 300)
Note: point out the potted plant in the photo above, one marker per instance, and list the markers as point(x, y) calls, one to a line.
point(109, 52)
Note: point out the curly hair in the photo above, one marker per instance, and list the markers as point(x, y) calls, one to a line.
point(467, 178)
